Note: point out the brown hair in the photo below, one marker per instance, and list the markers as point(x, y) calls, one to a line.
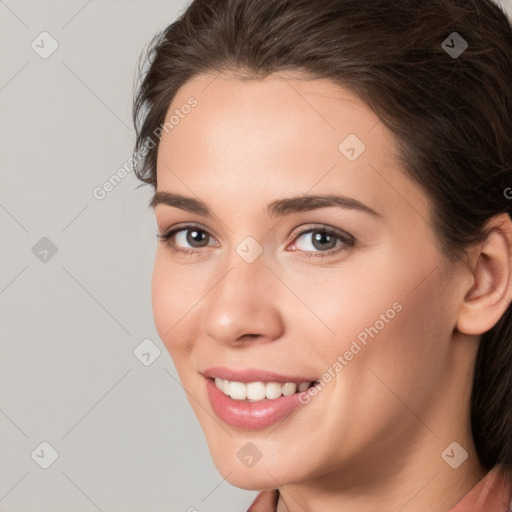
point(451, 115)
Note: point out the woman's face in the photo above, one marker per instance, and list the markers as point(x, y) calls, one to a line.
point(265, 296)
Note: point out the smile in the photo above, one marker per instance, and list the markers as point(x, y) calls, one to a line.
point(258, 391)
point(253, 399)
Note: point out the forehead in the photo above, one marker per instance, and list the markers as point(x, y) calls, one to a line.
point(283, 135)
point(276, 110)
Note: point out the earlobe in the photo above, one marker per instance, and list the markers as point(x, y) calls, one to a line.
point(490, 293)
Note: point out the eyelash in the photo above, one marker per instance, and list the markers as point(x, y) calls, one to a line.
point(348, 240)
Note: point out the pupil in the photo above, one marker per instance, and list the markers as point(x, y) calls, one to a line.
point(321, 237)
point(195, 236)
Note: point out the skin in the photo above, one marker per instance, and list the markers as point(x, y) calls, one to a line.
point(372, 438)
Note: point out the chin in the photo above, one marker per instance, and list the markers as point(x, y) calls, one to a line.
point(252, 480)
point(262, 475)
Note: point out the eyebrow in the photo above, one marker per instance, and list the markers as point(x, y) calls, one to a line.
point(277, 208)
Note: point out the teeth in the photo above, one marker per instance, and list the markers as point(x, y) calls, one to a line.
point(303, 386)
point(290, 388)
point(273, 390)
point(237, 390)
point(257, 391)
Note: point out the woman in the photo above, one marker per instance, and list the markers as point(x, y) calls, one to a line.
point(332, 191)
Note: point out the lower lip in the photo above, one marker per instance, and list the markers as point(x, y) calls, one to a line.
point(240, 413)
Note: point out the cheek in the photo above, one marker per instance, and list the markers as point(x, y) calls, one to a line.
point(161, 297)
point(392, 321)
point(354, 302)
point(173, 298)
point(408, 355)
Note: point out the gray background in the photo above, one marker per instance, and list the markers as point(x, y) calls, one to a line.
point(126, 437)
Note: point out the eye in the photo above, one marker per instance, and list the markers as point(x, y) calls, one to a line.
point(318, 240)
point(321, 241)
point(194, 236)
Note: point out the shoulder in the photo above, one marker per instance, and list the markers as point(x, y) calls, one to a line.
point(266, 501)
point(492, 494)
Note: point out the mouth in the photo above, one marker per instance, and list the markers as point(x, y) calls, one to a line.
point(258, 391)
point(253, 398)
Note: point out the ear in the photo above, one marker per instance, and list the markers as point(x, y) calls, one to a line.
point(490, 291)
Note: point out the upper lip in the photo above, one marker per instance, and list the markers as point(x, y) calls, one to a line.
point(252, 375)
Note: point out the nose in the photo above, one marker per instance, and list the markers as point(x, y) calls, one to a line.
point(244, 305)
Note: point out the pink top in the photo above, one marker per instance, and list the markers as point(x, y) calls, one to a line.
point(492, 494)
